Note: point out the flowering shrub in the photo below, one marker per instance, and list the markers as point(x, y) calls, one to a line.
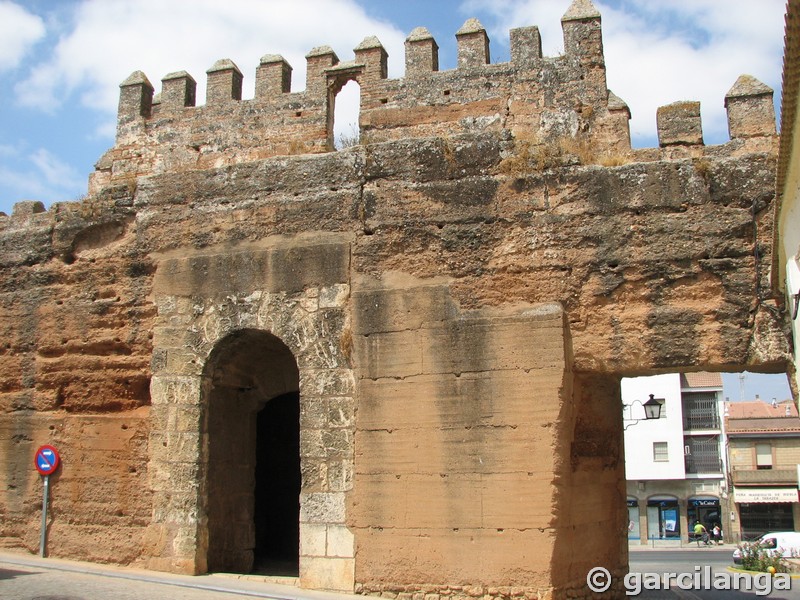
point(756, 557)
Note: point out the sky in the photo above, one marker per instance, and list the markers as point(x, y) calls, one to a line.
point(766, 386)
point(61, 61)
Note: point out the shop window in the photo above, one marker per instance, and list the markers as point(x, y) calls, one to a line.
point(763, 456)
point(660, 452)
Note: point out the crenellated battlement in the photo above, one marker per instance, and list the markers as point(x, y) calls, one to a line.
point(531, 97)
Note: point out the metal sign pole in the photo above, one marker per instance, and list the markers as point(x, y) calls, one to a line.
point(43, 538)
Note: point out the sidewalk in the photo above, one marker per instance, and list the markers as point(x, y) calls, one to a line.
point(637, 547)
point(24, 576)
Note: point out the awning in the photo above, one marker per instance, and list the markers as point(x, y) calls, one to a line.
point(765, 494)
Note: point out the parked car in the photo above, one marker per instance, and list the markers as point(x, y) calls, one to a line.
point(787, 543)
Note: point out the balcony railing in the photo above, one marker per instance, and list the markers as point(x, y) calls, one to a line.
point(707, 421)
point(703, 465)
point(764, 476)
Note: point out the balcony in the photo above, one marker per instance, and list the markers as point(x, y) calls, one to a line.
point(703, 464)
point(700, 421)
point(764, 476)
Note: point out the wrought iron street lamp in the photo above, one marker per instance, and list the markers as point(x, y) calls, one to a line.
point(652, 410)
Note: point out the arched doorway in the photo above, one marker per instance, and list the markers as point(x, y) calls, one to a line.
point(252, 484)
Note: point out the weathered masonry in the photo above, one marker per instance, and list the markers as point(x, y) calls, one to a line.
point(421, 337)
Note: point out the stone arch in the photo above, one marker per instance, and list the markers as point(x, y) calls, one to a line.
point(209, 316)
point(250, 393)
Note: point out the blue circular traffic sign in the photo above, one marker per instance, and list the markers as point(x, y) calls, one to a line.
point(47, 460)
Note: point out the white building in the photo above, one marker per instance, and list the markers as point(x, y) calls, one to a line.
point(674, 465)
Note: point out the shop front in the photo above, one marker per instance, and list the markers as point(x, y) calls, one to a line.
point(705, 509)
point(762, 510)
point(634, 530)
point(663, 522)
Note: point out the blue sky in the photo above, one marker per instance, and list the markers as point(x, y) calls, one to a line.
point(766, 386)
point(61, 61)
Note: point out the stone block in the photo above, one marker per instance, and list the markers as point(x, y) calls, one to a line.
point(389, 354)
point(340, 475)
point(490, 344)
point(476, 555)
point(332, 574)
point(177, 91)
point(338, 443)
point(224, 83)
point(679, 124)
point(175, 389)
point(341, 412)
point(422, 53)
point(314, 473)
point(473, 45)
point(179, 418)
point(334, 296)
point(286, 267)
point(312, 444)
point(313, 412)
point(401, 308)
point(341, 542)
point(526, 47)
point(175, 509)
point(181, 447)
point(503, 398)
point(750, 108)
point(322, 507)
point(313, 539)
point(326, 382)
point(273, 77)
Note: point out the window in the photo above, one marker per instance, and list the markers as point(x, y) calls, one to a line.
point(660, 453)
point(701, 454)
point(700, 410)
point(763, 456)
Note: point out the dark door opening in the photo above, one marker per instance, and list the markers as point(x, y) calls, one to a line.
point(252, 481)
point(277, 487)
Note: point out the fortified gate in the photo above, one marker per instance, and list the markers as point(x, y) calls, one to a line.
point(420, 337)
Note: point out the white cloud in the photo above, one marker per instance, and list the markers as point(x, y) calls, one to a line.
point(661, 52)
point(55, 172)
point(112, 38)
point(37, 175)
point(19, 30)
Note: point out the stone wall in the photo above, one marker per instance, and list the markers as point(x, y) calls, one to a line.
point(455, 311)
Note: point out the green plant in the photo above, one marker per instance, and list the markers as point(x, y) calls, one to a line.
point(756, 557)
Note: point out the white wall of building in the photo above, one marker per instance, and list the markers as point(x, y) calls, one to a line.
point(639, 437)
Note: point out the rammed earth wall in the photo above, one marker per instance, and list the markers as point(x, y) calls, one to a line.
point(455, 300)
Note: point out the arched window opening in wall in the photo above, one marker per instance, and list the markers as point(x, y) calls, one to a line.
point(346, 116)
point(252, 462)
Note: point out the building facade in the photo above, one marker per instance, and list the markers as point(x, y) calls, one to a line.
point(764, 454)
point(674, 465)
